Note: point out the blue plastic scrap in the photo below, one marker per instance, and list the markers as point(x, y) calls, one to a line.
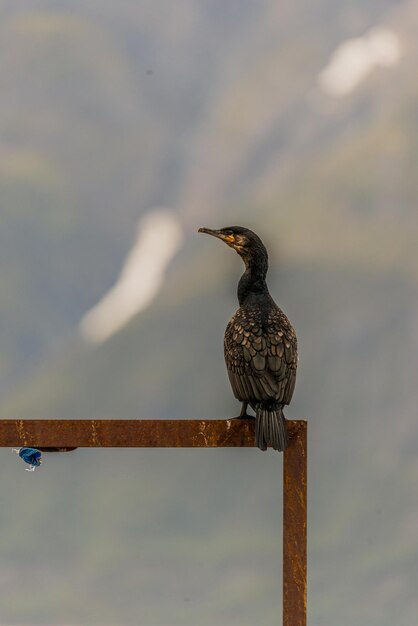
point(31, 456)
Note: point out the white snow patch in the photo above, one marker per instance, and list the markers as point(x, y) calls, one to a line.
point(159, 238)
point(356, 58)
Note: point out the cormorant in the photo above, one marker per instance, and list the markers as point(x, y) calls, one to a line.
point(260, 343)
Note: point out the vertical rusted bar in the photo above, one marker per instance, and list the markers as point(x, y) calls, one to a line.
point(294, 528)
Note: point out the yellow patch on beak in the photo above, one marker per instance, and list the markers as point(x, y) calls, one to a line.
point(230, 239)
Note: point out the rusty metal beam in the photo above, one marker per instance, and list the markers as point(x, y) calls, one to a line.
point(60, 435)
point(295, 527)
point(130, 433)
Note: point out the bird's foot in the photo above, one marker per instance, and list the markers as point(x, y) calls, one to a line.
point(30, 469)
point(244, 417)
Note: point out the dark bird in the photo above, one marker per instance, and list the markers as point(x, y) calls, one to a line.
point(260, 343)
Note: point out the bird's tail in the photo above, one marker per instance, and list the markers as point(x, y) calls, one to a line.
point(270, 427)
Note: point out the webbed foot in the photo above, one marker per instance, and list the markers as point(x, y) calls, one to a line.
point(243, 415)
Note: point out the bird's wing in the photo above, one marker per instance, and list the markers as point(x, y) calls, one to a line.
point(261, 358)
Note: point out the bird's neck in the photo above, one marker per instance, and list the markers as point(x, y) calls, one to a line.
point(253, 281)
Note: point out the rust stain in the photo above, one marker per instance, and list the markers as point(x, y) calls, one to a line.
point(20, 427)
point(228, 429)
point(95, 439)
point(202, 432)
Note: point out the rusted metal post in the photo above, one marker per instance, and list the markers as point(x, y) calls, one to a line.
point(295, 528)
point(61, 435)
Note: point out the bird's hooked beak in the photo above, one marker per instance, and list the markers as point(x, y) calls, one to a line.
point(229, 239)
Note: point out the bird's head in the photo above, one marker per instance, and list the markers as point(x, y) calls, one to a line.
point(242, 240)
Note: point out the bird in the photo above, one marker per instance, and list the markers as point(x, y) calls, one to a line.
point(260, 343)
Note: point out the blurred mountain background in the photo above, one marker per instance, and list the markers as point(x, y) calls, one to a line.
point(124, 127)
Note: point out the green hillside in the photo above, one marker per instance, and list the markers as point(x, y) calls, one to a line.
point(111, 110)
point(229, 126)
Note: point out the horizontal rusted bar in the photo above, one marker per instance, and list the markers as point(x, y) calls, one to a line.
point(130, 433)
point(295, 528)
